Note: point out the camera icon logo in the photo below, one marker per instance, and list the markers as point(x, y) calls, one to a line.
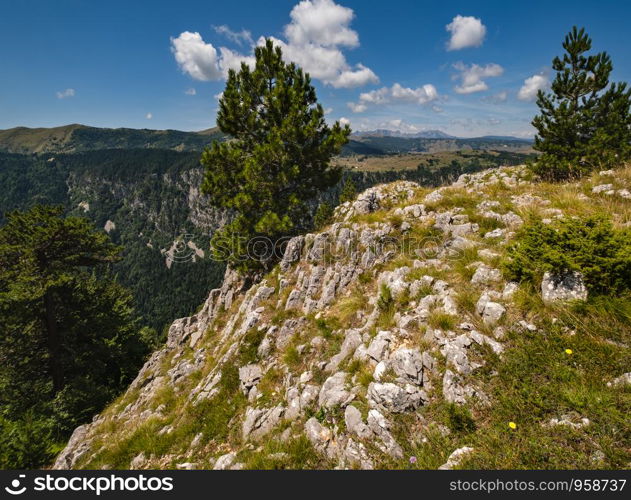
point(15, 489)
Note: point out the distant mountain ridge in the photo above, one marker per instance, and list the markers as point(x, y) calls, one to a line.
point(424, 134)
point(429, 134)
point(76, 138)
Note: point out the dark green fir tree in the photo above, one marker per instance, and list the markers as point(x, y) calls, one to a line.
point(69, 337)
point(584, 123)
point(277, 160)
point(349, 191)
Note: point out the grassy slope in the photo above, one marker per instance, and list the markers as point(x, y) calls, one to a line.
point(534, 381)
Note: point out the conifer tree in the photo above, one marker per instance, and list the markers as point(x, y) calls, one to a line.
point(323, 215)
point(349, 191)
point(584, 122)
point(277, 160)
point(68, 334)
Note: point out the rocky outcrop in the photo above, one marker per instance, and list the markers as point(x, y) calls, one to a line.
point(315, 352)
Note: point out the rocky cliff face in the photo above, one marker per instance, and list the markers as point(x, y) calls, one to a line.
point(342, 356)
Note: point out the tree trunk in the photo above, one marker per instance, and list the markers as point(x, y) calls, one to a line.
point(54, 343)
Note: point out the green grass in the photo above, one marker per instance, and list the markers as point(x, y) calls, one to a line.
point(537, 380)
point(296, 453)
point(438, 319)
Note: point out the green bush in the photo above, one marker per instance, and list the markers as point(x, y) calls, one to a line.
point(26, 443)
point(590, 245)
point(349, 191)
point(385, 302)
point(323, 215)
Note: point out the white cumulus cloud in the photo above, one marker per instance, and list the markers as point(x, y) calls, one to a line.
point(532, 85)
point(323, 22)
point(65, 94)
point(195, 57)
point(190, 91)
point(465, 32)
point(395, 94)
point(471, 77)
point(314, 39)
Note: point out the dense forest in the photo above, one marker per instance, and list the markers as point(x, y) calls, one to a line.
point(147, 195)
point(151, 196)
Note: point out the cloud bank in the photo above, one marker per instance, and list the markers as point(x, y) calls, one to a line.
point(315, 38)
point(532, 85)
point(395, 94)
point(471, 76)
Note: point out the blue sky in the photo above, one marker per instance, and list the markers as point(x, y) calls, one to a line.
point(467, 68)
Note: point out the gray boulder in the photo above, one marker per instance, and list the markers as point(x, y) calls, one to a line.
point(485, 275)
point(260, 421)
point(292, 252)
point(321, 438)
point(334, 393)
point(456, 458)
point(563, 287)
point(492, 313)
point(355, 424)
point(395, 399)
point(224, 462)
point(352, 341)
point(381, 428)
point(408, 364)
point(249, 376)
point(379, 347)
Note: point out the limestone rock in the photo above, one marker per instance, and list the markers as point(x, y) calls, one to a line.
point(77, 447)
point(563, 287)
point(395, 399)
point(249, 376)
point(492, 313)
point(320, 437)
point(381, 428)
point(224, 462)
point(292, 252)
point(355, 424)
point(357, 454)
point(352, 341)
point(602, 188)
point(456, 458)
point(485, 275)
point(408, 364)
point(260, 421)
point(334, 393)
point(380, 346)
point(622, 380)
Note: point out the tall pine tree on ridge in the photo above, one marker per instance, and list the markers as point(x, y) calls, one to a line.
point(278, 158)
point(584, 123)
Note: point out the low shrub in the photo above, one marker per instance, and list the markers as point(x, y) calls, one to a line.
point(590, 245)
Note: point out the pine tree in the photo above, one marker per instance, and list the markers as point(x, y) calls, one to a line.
point(323, 215)
point(68, 333)
point(277, 160)
point(349, 191)
point(583, 125)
